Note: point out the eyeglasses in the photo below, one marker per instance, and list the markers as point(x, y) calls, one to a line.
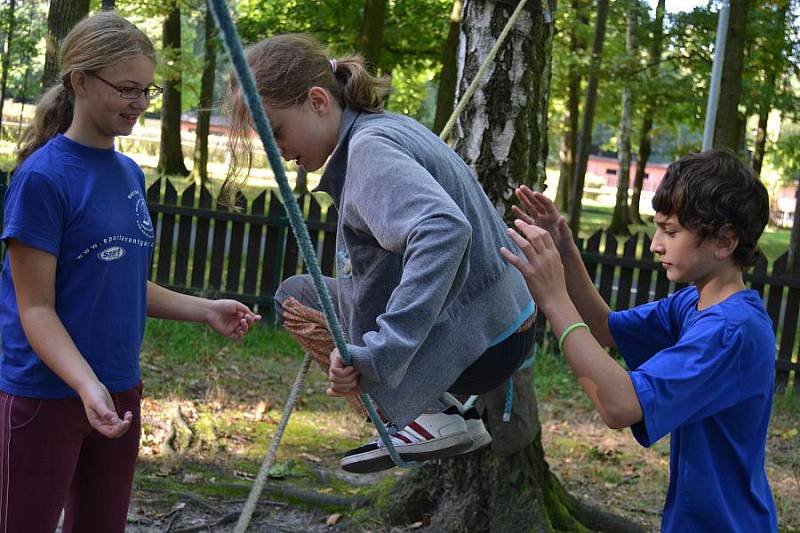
point(132, 93)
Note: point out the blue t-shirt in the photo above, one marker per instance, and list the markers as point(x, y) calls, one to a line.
point(86, 206)
point(707, 378)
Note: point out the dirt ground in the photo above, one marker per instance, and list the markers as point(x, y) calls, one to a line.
point(209, 415)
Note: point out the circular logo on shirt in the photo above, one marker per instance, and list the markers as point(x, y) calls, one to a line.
point(143, 218)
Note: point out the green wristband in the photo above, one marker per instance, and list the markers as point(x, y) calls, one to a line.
point(568, 331)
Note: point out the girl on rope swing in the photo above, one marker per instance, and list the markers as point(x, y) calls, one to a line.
point(74, 292)
point(425, 300)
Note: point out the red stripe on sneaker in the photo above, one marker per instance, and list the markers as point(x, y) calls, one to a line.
point(420, 431)
point(402, 437)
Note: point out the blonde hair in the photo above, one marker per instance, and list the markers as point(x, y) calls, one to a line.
point(94, 43)
point(285, 67)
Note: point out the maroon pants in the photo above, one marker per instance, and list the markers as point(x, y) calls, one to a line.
point(51, 458)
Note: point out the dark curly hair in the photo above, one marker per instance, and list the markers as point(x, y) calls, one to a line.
point(712, 192)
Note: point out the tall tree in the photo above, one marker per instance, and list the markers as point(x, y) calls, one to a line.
point(445, 97)
point(170, 157)
point(200, 167)
point(371, 39)
point(585, 140)
point(61, 17)
point(650, 95)
point(6, 61)
point(794, 239)
point(774, 67)
point(729, 123)
point(502, 134)
point(569, 141)
point(619, 220)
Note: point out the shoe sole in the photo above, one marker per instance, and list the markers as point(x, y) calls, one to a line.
point(479, 437)
point(377, 460)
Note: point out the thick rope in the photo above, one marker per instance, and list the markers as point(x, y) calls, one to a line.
point(266, 464)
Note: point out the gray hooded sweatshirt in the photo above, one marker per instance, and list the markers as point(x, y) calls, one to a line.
point(422, 288)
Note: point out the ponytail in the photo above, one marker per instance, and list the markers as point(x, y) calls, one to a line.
point(53, 116)
point(359, 89)
point(285, 67)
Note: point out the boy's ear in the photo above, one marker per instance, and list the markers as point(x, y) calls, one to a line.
point(727, 241)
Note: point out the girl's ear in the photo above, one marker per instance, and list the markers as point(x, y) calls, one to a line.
point(320, 100)
point(77, 79)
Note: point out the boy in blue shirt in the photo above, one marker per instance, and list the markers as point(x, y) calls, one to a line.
point(702, 361)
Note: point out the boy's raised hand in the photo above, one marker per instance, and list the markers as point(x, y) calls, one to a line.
point(541, 211)
point(543, 272)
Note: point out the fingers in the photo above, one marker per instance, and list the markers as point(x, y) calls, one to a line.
point(343, 378)
point(111, 426)
point(519, 213)
point(539, 238)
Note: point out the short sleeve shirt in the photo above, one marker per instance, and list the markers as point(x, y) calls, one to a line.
point(86, 207)
point(705, 377)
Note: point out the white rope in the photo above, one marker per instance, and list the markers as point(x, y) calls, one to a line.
point(266, 464)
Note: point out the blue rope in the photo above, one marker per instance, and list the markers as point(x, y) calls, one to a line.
point(235, 51)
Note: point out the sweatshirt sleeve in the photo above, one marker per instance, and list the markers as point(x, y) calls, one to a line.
point(408, 213)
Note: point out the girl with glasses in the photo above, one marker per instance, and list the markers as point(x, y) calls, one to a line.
point(74, 293)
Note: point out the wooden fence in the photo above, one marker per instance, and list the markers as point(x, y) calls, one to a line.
point(203, 248)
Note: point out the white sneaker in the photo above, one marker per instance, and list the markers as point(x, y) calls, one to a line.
point(430, 436)
point(476, 430)
point(475, 427)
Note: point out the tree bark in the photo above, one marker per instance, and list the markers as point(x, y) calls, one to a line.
point(502, 135)
point(585, 141)
point(794, 240)
point(502, 132)
point(206, 103)
point(569, 142)
point(6, 61)
point(619, 220)
point(647, 116)
point(446, 95)
point(759, 149)
point(372, 32)
point(773, 69)
point(170, 158)
point(61, 17)
point(727, 126)
point(108, 4)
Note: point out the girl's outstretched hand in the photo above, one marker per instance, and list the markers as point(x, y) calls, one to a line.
point(230, 318)
point(541, 211)
point(102, 414)
point(543, 272)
